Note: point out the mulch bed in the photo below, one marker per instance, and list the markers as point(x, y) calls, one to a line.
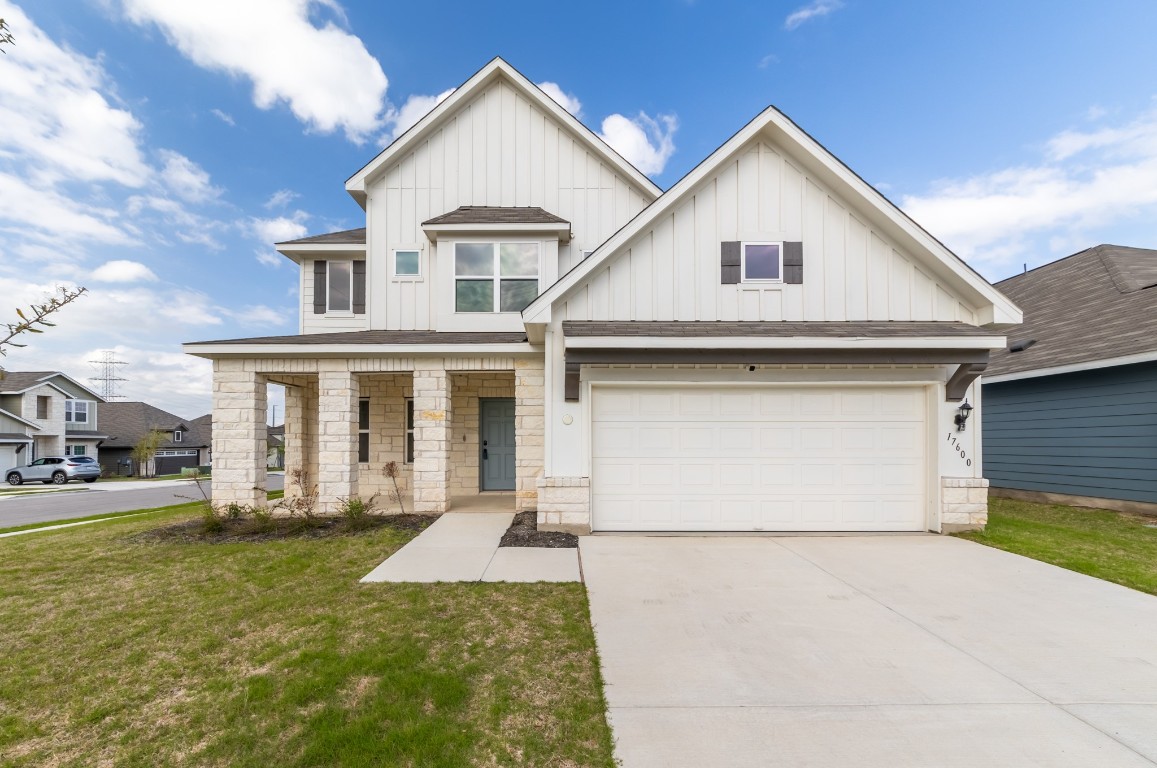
point(523, 532)
point(249, 530)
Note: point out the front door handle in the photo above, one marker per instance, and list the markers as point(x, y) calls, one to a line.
point(485, 456)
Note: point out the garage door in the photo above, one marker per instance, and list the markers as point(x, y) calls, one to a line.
point(758, 459)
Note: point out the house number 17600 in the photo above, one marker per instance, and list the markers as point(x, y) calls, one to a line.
point(956, 446)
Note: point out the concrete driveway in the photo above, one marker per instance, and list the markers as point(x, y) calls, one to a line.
point(867, 651)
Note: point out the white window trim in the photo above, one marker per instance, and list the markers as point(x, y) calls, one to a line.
point(71, 450)
point(70, 412)
point(176, 435)
point(394, 264)
point(329, 288)
point(743, 278)
point(495, 276)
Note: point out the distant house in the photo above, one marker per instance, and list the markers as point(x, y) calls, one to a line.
point(46, 413)
point(276, 438)
point(1070, 408)
point(185, 443)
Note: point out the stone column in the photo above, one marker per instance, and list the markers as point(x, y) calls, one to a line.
point(529, 427)
point(239, 413)
point(337, 439)
point(300, 434)
point(431, 436)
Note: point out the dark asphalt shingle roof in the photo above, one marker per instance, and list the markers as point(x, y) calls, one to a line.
point(345, 237)
point(15, 436)
point(477, 214)
point(1098, 304)
point(127, 423)
point(723, 329)
point(381, 337)
point(18, 381)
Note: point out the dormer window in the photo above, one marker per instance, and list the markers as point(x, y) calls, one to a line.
point(495, 277)
point(176, 435)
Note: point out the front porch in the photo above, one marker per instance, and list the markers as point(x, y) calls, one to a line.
point(463, 433)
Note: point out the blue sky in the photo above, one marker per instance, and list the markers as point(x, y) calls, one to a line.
point(153, 150)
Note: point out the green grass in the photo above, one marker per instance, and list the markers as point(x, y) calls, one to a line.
point(127, 653)
point(1114, 546)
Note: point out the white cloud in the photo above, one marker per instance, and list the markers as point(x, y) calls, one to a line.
point(280, 199)
point(323, 74)
point(270, 258)
point(49, 216)
point(403, 118)
point(646, 142)
point(186, 179)
point(768, 60)
point(817, 9)
point(1083, 182)
point(224, 117)
point(260, 315)
point(280, 228)
point(567, 101)
point(123, 271)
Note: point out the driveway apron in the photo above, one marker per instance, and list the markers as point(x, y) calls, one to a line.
point(866, 651)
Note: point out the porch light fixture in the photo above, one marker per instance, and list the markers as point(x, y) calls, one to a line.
point(962, 415)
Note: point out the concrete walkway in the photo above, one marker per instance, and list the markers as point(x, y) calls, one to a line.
point(867, 651)
point(463, 546)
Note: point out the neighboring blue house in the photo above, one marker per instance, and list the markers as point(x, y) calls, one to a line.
point(1070, 409)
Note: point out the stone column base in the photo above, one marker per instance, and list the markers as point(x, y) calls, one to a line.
point(963, 504)
point(564, 504)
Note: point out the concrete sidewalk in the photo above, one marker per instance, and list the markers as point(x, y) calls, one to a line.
point(463, 546)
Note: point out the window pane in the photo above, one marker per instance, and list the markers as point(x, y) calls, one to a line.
point(409, 414)
point(474, 259)
point(339, 285)
point(474, 296)
point(363, 414)
point(519, 259)
point(517, 294)
point(410, 448)
point(406, 263)
point(363, 447)
point(761, 262)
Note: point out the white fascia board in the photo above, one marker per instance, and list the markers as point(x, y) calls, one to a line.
point(23, 421)
point(562, 231)
point(1091, 365)
point(784, 342)
point(213, 351)
point(356, 185)
point(45, 383)
point(320, 250)
point(77, 384)
point(1004, 312)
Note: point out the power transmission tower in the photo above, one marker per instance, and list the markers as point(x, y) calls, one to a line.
point(108, 378)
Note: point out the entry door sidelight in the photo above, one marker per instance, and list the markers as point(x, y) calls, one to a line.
point(496, 444)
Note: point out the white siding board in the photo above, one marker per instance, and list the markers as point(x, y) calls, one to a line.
point(642, 277)
point(686, 266)
point(855, 270)
point(770, 183)
point(835, 262)
point(663, 270)
point(815, 269)
point(879, 257)
point(900, 303)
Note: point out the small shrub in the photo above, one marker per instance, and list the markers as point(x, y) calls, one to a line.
point(211, 522)
point(391, 471)
point(262, 520)
point(357, 512)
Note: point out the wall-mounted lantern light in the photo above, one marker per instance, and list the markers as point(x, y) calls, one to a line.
point(962, 415)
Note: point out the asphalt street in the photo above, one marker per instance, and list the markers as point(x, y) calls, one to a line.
point(95, 500)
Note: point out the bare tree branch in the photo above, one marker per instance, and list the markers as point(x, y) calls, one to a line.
point(6, 37)
point(37, 316)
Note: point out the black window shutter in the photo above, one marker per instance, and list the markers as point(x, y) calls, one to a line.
point(793, 263)
point(729, 266)
point(359, 300)
point(319, 287)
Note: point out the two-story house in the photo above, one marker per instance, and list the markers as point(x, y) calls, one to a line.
point(46, 413)
point(767, 345)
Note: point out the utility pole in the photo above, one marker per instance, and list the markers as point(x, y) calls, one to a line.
point(108, 379)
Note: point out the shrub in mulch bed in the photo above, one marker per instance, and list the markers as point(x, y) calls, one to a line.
point(248, 529)
point(523, 532)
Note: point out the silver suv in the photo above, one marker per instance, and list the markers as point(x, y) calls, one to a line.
point(55, 469)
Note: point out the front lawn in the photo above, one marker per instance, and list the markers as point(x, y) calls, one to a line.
point(1114, 546)
point(117, 650)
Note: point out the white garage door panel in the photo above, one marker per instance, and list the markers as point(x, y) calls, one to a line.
point(667, 458)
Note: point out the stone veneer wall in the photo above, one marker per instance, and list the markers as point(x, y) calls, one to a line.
point(465, 390)
point(564, 504)
point(963, 504)
point(529, 426)
point(387, 394)
point(239, 440)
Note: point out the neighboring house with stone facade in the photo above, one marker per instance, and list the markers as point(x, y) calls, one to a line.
point(768, 345)
point(46, 413)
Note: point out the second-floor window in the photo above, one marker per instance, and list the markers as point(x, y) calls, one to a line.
point(42, 406)
point(340, 284)
point(76, 411)
point(495, 277)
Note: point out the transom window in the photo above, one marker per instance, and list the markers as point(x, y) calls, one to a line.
point(339, 286)
point(76, 411)
point(762, 262)
point(407, 264)
point(495, 277)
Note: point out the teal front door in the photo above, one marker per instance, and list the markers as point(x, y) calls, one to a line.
point(496, 443)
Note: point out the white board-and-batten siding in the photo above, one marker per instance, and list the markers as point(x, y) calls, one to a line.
point(852, 271)
point(336, 323)
point(499, 149)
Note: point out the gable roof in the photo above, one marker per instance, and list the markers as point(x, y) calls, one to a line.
point(127, 423)
point(1095, 306)
point(496, 69)
point(18, 382)
point(484, 214)
point(995, 309)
